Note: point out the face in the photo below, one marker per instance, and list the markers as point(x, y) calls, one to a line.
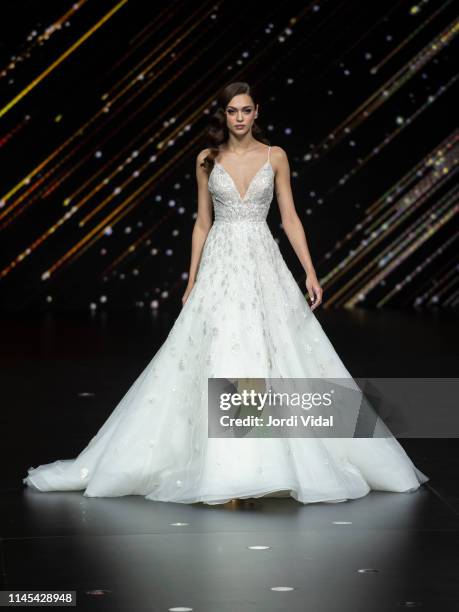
point(240, 114)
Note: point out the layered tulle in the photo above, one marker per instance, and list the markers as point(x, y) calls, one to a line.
point(245, 318)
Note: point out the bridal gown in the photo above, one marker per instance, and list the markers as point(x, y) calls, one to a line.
point(244, 317)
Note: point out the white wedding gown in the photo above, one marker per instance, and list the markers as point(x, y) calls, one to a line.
point(245, 317)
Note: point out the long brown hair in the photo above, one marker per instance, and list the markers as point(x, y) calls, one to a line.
point(217, 132)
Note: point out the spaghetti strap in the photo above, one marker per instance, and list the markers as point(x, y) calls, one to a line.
point(269, 151)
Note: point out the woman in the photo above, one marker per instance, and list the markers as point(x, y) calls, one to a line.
point(243, 317)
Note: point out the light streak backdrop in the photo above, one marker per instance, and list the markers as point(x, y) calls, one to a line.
point(102, 109)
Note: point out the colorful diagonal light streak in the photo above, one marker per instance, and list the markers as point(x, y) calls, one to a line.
point(61, 59)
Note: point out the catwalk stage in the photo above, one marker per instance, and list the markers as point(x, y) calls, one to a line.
point(61, 376)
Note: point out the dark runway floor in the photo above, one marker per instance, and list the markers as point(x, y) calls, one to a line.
point(141, 555)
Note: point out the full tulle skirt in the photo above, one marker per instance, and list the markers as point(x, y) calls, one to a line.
point(245, 317)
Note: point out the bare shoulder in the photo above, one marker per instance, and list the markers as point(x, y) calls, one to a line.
point(202, 155)
point(279, 158)
point(278, 154)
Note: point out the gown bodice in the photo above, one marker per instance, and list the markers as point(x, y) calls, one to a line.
point(228, 204)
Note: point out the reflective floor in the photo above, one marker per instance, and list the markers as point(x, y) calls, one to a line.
point(386, 551)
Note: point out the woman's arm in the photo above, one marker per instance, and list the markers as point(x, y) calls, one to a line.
point(292, 224)
point(202, 224)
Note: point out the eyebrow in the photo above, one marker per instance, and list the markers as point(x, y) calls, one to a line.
point(242, 107)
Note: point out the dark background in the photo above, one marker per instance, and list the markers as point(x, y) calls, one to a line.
point(363, 98)
point(359, 94)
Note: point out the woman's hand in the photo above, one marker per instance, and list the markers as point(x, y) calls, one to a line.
point(314, 289)
point(187, 292)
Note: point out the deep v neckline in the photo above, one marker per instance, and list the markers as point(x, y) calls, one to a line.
point(242, 198)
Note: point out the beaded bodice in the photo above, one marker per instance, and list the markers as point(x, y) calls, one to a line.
point(227, 201)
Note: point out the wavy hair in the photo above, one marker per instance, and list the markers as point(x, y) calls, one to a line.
point(216, 133)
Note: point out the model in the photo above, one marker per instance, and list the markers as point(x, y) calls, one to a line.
point(243, 316)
